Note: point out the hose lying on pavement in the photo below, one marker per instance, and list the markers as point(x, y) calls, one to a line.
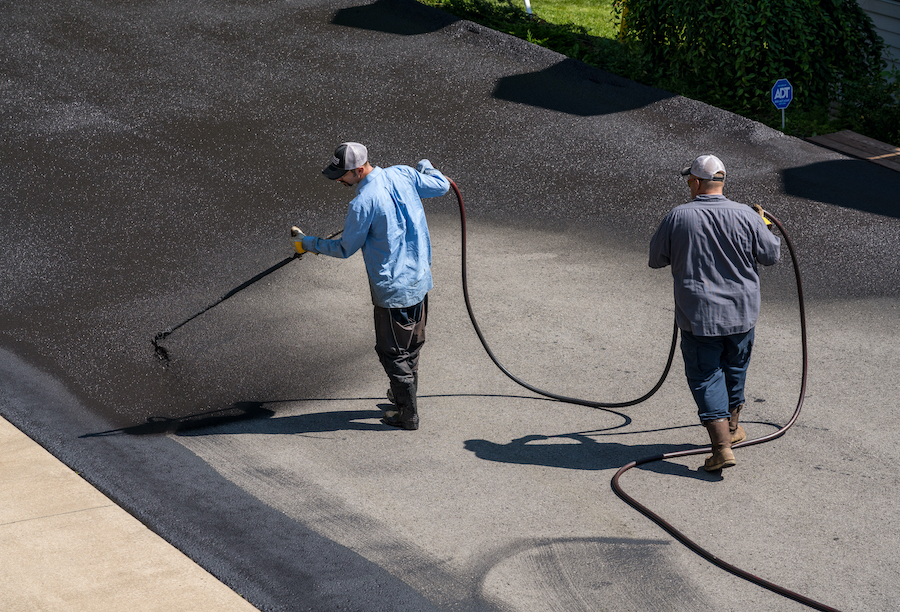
point(519, 381)
point(615, 481)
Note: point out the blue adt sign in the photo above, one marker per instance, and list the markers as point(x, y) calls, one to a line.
point(782, 94)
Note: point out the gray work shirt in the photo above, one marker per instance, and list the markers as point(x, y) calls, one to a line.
point(713, 246)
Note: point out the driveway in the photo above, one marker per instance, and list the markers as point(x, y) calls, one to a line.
point(154, 156)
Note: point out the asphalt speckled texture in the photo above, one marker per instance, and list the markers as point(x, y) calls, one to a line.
point(154, 156)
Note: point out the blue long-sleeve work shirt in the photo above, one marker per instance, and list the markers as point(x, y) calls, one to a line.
point(386, 220)
point(713, 246)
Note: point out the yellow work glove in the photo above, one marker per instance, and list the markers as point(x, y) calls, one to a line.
point(762, 213)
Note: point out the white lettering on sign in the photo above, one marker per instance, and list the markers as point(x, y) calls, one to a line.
point(782, 92)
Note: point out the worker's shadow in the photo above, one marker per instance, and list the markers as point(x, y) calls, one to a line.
point(308, 423)
point(257, 417)
point(253, 417)
point(577, 451)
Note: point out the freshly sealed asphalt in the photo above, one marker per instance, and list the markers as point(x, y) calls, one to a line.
point(154, 156)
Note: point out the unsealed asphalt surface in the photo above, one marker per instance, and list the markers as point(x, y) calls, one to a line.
point(154, 155)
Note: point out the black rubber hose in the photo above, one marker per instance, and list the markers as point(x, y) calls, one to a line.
point(517, 380)
point(680, 536)
point(615, 481)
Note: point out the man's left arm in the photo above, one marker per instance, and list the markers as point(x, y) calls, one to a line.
point(429, 181)
point(660, 245)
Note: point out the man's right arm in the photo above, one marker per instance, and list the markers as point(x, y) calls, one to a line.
point(356, 228)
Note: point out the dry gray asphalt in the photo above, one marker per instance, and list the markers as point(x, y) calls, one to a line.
point(154, 155)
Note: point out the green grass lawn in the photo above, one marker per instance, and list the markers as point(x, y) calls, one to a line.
point(595, 16)
point(582, 29)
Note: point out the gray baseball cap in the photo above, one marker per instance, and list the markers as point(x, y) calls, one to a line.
point(348, 156)
point(707, 167)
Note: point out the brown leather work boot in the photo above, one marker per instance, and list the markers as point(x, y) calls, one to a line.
point(737, 432)
point(720, 439)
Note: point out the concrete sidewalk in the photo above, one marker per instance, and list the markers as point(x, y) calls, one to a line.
point(66, 546)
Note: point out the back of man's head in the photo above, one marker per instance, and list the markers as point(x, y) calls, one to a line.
point(709, 172)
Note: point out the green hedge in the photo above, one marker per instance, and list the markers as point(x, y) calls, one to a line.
point(731, 52)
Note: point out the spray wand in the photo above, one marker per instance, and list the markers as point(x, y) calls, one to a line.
point(161, 351)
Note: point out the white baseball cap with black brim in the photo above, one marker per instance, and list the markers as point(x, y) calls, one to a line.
point(707, 167)
point(348, 156)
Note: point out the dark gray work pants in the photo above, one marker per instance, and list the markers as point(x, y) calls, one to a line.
point(399, 336)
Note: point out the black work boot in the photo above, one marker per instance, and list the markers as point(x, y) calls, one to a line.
point(390, 392)
point(737, 432)
point(406, 415)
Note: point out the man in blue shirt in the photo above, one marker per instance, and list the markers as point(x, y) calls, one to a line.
point(386, 220)
point(714, 246)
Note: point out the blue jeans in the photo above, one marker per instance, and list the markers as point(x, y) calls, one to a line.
point(716, 368)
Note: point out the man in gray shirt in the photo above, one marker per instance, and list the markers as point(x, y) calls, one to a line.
point(714, 246)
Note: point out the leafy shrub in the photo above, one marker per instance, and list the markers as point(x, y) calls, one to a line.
point(731, 52)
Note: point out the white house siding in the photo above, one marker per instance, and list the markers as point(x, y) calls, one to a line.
point(885, 15)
